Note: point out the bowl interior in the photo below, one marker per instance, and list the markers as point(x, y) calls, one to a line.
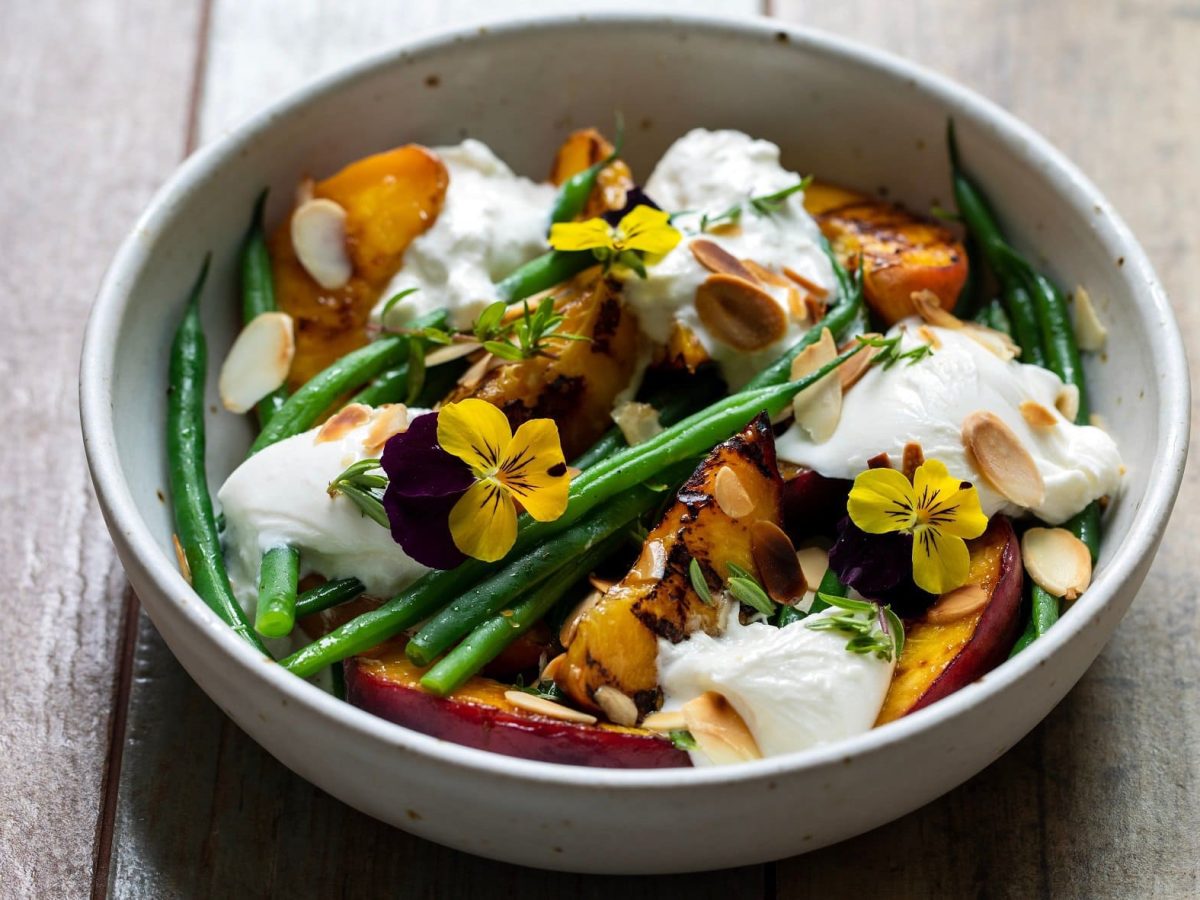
point(868, 123)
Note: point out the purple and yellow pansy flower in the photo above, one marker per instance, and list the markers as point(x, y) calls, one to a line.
point(643, 234)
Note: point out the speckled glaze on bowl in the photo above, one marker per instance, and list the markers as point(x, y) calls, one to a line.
point(851, 115)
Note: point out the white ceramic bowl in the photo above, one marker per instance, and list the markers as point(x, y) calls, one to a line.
point(851, 115)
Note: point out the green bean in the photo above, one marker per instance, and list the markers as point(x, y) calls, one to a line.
point(787, 615)
point(258, 294)
point(195, 526)
point(277, 577)
point(392, 385)
point(301, 410)
point(492, 635)
point(543, 273)
point(968, 302)
point(998, 318)
point(329, 594)
point(618, 473)
point(574, 193)
point(1019, 306)
point(831, 585)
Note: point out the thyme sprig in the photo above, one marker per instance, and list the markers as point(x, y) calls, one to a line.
point(745, 587)
point(872, 628)
point(764, 205)
point(890, 353)
point(363, 486)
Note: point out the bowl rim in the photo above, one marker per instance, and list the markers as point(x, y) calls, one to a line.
point(1170, 366)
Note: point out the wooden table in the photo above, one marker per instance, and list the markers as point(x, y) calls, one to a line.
point(118, 776)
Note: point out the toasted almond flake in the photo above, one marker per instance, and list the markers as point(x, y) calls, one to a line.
point(638, 421)
point(730, 494)
point(777, 564)
point(388, 421)
point(879, 461)
point(618, 707)
point(1098, 421)
point(450, 352)
point(1002, 459)
point(304, 191)
point(796, 307)
point(1057, 561)
point(603, 585)
point(818, 408)
point(665, 721)
point(912, 459)
point(573, 472)
point(1090, 332)
point(651, 563)
point(470, 379)
point(319, 239)
point(1067, 402)
point(727, 228)
point(570, 624)
point(542, 707)
point(716, 258)
point(929, 307)
point(816, 307)
point(1037, 415)
point(765, 275)
point(185, 568)
point(957, 604)
point(550, 671)
point(719, 731)
point(814, 563)
point(926, 335)
point(258, 362)
point(856, 367)
point(995, 342)
point(739, 313)
point(807, 283)
point(343, 422)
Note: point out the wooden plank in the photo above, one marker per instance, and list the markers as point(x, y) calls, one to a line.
point(202, 810)
point(1100, 800)
point(73, 176)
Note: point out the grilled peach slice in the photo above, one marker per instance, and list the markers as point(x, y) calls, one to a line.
point(577, 383)
point(901, 253)
point(616, 641)
point(479, 715)
point(389, 198)
point(584, 148)
point(943, 651)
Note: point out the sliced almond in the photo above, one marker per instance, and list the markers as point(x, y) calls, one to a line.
point(1037, 415)
point(603, 585)
point(929, 307)
point(651, 563)
point(542, 707)
point(719, 731)
point(618, 707)
point(879, 461)
point(304, 191)
point(926, 334)
point(856, 366)
point(731, 495)
point(1098, 421)
point(570, 624)
point(776, 562)
point(912, 459)
point(258, 362)
point(1057, 561)
point(796, 306)
point(807, 283)
point(1002, 459)
point(388, 421)
point(470, 379)
point(1090, 332)
point(185, 568)
point(716, 258)
point(1067, 402)
point(343, 422)
point(665, 721)
point(765, 275)
point(739, 313)
point(638, 421)
point(550, 672)
point(957, 604)
point(319, 239)
point(450, 352)
point(814, 563)
point(816, 307)
point(818, 408)
point(995, 342)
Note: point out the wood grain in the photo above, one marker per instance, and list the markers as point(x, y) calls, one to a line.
point(73, 176)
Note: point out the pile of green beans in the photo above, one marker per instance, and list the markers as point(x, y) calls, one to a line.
point(1042, 326)
point(195, 524)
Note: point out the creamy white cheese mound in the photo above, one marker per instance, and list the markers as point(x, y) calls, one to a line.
point(278, 496)
point(492, 222)
point(707, 172)
point(927, 401)
point(795, 687)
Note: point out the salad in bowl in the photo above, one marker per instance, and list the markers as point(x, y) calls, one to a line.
point(687, 467)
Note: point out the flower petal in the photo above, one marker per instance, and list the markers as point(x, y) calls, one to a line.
point(941, 562)
point(945, 503)
point(534, 470)
point(878, 566)
point(881, 501)
point(474, 431)
point(581, 235)
point(483, 522)
point(416, 466)
point(420, 525)
point(648, 230)
point(634, 197)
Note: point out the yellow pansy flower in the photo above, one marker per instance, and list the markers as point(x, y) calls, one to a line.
point(644, 230)
point(527, 468)
point(939, 511)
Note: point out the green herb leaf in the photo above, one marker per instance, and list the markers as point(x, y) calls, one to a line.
point(683, 740)
point(772, 203)
point(360, 484)
point(487, 324)
point(889, 351)
point(699, 583)
point(392, 301)
point(745, 588)
point(872, 629)
point(416, 371)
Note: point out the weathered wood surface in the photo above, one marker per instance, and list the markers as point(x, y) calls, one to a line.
point(1100, 801)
